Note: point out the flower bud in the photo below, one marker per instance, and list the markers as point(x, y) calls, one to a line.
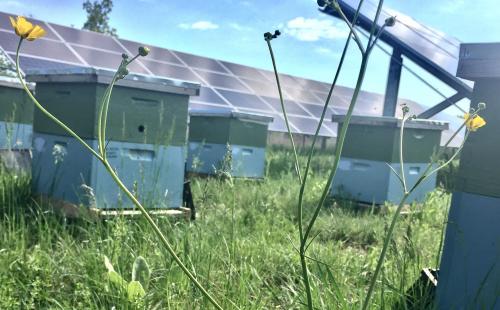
point(390, 21)
point(144, 51)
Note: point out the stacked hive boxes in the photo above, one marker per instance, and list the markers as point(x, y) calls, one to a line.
point(147, 126)
point(371, 144)
point(226, 140)
point(469, 275)
point(16, 119)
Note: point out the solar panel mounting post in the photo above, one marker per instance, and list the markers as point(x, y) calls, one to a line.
point(392, 87)
point(442, 105)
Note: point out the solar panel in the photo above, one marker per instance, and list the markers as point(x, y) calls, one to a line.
point(201, 62)
point(428, 47)
point(243, 100)
point(225, 85)
point(5, 24)
point(290, 106)
point(87, 38)
point(97, 58)
point(221, 80)
point(245, 71)
point(209, 96)
point(171, 71)
point(155, 53)
point(40, 48)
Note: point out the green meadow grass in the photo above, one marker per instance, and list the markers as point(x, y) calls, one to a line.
point(241, 247)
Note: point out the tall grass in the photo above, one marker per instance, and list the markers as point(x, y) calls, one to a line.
point(240, 245)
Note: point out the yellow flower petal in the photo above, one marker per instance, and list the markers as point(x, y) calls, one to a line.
point(23, 27)
point(473, 123)
point(36, 33)
point(13, 22)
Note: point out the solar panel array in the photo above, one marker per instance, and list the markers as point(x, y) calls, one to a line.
point(433, 47)
point(225, 85)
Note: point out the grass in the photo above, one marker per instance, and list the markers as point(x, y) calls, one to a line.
point(241, 247)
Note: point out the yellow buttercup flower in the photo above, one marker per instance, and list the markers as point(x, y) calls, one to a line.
point(473, 123)
point(36, 33)
point(25, 29)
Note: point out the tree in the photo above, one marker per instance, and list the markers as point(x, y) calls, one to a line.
point(98, 16)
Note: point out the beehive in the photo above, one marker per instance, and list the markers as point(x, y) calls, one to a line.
point(469, 275)
point(371, 144)
point(226, 138)
point(16, 124)
point(147, 125)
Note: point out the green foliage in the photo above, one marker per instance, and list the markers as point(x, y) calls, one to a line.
point(98, 16)
point(241, 247)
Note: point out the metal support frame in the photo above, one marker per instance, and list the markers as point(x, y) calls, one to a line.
point(392, 87)
point(463, 90)
point(441, 106)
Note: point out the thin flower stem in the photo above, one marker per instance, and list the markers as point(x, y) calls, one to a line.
point(351, 27)
point(377, 37)
point(157, 230)
point(47, 113)
point(340, 145)
point(345, 125)
point(380, 261)
point(303, 242)
point(120, 184)
point(390, 232)
point(285, 116)
point(371, 40)
point(101, 128)
point(401, 161)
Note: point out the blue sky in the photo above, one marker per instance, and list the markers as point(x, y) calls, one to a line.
point(310, 47)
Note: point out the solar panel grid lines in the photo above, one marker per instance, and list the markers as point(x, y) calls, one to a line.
point(205, 82)
point(48, 25)
point(269, 106)
point(243, 71)
point(200, 62)
point(225, 85)
point(133, 53)
point(157, 54)
point(433, 47)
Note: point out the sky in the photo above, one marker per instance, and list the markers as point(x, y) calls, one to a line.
point(311, 43)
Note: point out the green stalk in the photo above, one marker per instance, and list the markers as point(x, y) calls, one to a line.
point(163, 239)
point(338, 150)
point(120, 184)
point(384, 250)
point(303, 242)
point(401, 162)
point(47, 113)
point(285, 116)
point(388, 237)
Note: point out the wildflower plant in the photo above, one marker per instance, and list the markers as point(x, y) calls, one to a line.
point(472, 121)
point(27, 31)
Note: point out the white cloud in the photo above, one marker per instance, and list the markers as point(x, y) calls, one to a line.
point(199, 25)
point(240, 27)
point(326, 51)
point(313, 29)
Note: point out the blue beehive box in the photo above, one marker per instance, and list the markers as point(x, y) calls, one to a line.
point(371, 144)
point(147, 127)
point(469, 276)
point(16, 124)
point(228, 140)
